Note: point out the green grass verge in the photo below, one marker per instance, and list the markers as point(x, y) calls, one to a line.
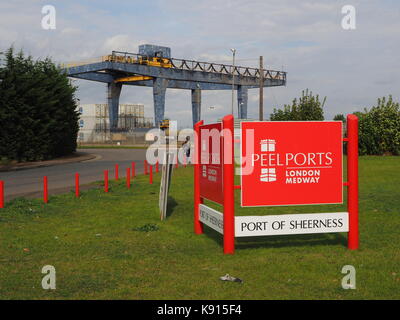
point(113, 246)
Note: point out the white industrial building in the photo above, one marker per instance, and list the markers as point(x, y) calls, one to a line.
point(94, 122)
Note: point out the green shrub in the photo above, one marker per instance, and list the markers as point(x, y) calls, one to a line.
point(308, 108)
point(379, 128)
point(38, 120)
point(340, 117)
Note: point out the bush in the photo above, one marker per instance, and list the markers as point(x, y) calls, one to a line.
point(379, 128)
point(309, 108)
point(38, 120)
point(339, 117)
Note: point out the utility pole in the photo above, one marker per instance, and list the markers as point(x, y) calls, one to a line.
point(261, 102)
point(233, 76)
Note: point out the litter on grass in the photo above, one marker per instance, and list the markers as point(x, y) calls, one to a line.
point(227, 277)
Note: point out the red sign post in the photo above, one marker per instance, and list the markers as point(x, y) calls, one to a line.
point(228, 183)
point(283, 163)
point(352, 180)
point(198, 226)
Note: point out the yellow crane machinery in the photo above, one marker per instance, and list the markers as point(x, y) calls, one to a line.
point(164, 124)
point(133, 78)
point(157, 61)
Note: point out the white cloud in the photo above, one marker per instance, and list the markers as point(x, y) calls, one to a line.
point(352, 68)
point(121, 42)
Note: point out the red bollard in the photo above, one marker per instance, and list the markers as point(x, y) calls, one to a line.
point(116, 172)
point(77, 185)
point(146, 167)
point(151, 175)
point(157, 167)
point(45, 190)
point(133, 169)
point(128, 178)
point(1, 194)
point(105, 180)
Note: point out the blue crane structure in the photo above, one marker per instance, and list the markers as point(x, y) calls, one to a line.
point(154, 67)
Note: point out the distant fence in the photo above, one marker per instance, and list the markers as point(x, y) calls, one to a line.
point(112, 138)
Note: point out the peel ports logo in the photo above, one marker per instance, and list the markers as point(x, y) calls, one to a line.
point(267, 145)
point(268, 174)
point(300, 167)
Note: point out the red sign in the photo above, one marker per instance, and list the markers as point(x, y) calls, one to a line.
point(291, 163)
point(211, 161)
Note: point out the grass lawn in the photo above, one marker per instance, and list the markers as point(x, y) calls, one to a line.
point(100, 251)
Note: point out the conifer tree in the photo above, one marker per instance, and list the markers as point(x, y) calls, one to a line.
point(38, 120)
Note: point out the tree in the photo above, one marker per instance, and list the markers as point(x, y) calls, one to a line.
point(339, 117)
point(38, 120)
point(308, 108)
point(379, 128)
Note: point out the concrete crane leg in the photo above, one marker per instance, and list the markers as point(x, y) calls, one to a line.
point(196, 105)
point(159, 88)
point(114, 92)
point(242, 101)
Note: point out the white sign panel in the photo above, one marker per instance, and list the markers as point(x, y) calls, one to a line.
point(211, 218)
point(250, 226)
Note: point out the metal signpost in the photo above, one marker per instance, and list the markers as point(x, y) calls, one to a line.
point(166, 174)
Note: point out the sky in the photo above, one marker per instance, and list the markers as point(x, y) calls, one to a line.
point(305, 38)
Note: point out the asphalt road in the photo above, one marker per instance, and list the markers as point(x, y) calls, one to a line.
point(61, 178)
